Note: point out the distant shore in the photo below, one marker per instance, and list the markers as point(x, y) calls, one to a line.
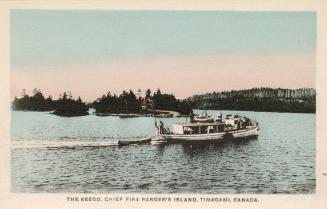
point(69, 114)
point(153, 113)
point(259, 100)
point(160, 104)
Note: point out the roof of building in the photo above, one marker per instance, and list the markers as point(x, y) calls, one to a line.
point(199, 124)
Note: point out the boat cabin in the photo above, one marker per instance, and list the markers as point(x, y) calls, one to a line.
point(198, 128)
point(236, 122)
point(219, 118)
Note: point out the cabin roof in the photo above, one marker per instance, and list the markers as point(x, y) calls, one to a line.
point(198, 124)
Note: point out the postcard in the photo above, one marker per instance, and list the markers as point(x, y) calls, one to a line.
point(160, 105)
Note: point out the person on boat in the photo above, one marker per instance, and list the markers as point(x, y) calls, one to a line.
point(161, 127)
point(191, 117)
point(156, 125)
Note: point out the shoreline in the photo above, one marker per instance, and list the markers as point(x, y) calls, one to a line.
point(150, 115)
point(253, 111)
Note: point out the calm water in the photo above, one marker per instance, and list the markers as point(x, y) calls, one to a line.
point(79, 154)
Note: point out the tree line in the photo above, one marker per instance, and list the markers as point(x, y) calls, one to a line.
point(65, 105)
point(258, 99)
point(126, 102)
point(255, 99)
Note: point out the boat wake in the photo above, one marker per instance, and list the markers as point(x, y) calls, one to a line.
point(68, 144)
point(61, 144)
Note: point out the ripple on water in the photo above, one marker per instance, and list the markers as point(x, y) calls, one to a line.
point(82, 158)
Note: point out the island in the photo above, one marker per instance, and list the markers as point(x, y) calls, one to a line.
point(127, 104)
point(65, 105)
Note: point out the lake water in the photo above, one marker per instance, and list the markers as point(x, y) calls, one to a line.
point(79, 154)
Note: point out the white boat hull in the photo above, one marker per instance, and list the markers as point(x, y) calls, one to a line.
point(243, 133)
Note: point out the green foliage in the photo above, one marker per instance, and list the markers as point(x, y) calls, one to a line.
point(258, 99)
point(36, 102)
point(184, 108)
point(65, 105)
point(148, 94)
point(127, 102)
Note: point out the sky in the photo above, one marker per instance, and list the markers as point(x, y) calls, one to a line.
point(91, 52)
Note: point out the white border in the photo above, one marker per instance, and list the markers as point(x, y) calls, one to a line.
point(35, 201)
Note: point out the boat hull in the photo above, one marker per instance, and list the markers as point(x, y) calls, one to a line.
point(236, 134)
point(128, 142)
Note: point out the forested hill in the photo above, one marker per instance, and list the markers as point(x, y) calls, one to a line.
point(258, 99)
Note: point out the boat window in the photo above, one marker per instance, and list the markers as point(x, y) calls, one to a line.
point(221, 128)
point(204, 129)
point(188, 130)
point(191, 130)
point(212, 129)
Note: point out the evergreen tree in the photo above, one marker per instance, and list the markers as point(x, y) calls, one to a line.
point(148, 94)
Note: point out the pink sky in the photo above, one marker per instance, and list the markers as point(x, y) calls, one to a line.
point(182, 76)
